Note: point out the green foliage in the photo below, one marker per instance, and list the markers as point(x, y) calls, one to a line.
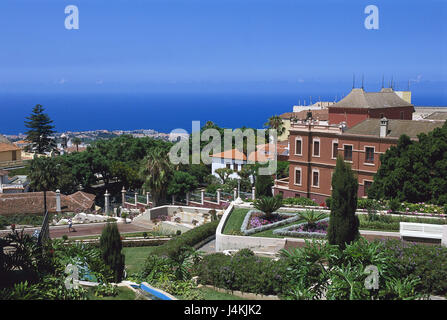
point(282, 169)
point(343, 223)
point(181, 183)
point(268, 205)
point(312, 216)
point(190, 238)
point(243, 271)
point(110, 245)
point(300, 202)
point(40, 130)
point(414, 171)
point(394, 205)
point(263, 186)
point(106, 290)
point(156, 173)
point(224, 174)
point(320, 269)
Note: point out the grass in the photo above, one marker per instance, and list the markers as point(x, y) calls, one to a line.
point(135, 257)
point(234, 222)
point(126, 235)
point(124, 293)
point(210, 294)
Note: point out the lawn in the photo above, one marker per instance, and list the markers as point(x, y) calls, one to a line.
point(124, 293)
point(135, 257)
point(210, 294)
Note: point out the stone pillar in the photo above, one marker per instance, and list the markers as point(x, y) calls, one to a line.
point(218, 196)
point(136, 198)
point(202, 194)
point(58, 201)
point(234, 194)
point(147, 198)
point(123, 197)
point(253, 193)
point(173, 199)
point(187, 198)
point(106, 202)
point(273, 191)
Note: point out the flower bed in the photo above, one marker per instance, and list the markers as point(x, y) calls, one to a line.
point(254, 221)
point(304, 231)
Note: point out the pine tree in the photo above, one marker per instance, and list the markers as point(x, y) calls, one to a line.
point(110, 245)
point(263, 186)
point(343, 223)
point(40, 131)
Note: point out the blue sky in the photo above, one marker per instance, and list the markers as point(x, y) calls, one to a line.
point(264, 45)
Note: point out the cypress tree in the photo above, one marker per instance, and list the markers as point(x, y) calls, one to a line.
point(40, 129)
point(343, 223)
point(263, 186)
point(110, 245)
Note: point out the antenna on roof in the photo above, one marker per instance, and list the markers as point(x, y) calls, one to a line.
point(362, 81)
point(392, 84)
point(353, 80)
point(383, 79)
point(408, 88)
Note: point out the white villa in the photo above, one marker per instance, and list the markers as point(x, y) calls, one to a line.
point(231, 159)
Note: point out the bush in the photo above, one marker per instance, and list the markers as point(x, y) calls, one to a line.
point(394, 205)
point(301, 202)
point(189, 238)
point(244, 272)
point(110, 245)
point(328, 202)
point(106, 290)
point(65, 237)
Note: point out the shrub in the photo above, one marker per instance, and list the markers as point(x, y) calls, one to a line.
point(394, 205)
point(263, 186)
point(189, 238)
point(65, 237)
point(301, 202)
point(328, 202)
point(110, 245)
point(106, 290)
point(268, 205)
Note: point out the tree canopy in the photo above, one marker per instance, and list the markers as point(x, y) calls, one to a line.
point(40, 129)
point(414, 171)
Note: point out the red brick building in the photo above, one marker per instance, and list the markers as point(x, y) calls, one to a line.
point(361, 127)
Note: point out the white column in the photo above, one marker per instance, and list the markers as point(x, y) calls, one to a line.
point(234, 194)
point(187, 198)
point(136, 198)
point(106, 202)
point(202, 193)
point(123, 197)
point(58, 201)
point(147, 198)
point(273, 191)
point(218, 196)
point(173, 199)
point(253, 193)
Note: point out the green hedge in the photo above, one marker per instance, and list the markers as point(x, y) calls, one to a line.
point(244, 272)
point(300, 202)
point(189, 238)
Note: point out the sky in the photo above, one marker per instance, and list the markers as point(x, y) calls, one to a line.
point(221, 45)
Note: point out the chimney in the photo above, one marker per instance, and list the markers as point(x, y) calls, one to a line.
point(383, 127)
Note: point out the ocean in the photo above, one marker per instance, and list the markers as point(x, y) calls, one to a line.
point(162, 112)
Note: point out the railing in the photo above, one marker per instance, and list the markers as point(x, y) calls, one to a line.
point(225, 196)
point(14, 163)
point(130, 199)
point(210, 197)
point(195, 197)
point(245, 195)
point(141, 199)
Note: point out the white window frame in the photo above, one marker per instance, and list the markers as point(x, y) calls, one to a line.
point(301, 151)
point(301, 176)
point(317, 171)
point(352, 152)
point(313, 147)
point(374, 156)
point(333, 142)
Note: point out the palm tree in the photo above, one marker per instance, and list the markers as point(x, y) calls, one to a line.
point(155, 173)
point(76, 141)
point(268, 205)
point(275, 122)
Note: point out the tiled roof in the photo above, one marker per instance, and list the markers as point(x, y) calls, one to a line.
point(234, 154)
point(8, 147)
point(262, 153)
point(437, 116)
point(396, 128)
point(322, 115)
point(358, 98)
point(32, 202)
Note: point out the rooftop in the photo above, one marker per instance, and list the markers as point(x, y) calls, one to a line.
point(322, 115)
point(358, 98)
point(439, 115)
point(8, 147)
point(234, 154)
point(396, 128)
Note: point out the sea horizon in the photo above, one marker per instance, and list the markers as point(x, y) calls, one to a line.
point(162, 112)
